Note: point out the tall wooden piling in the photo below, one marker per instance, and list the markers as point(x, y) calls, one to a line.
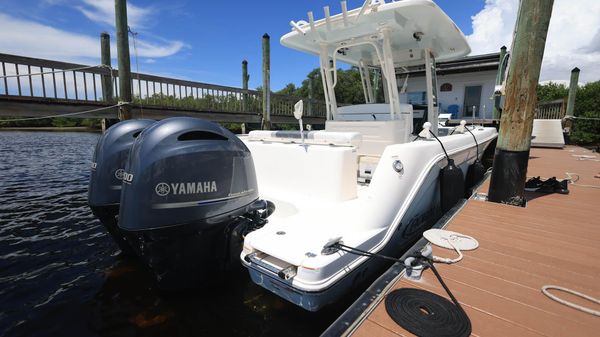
point(266, 97)
point(499, 81)
point(568, 121)
point(572, 92)
point(245, 79)
point(125, 94)
point(107, 84)
point(514, 139)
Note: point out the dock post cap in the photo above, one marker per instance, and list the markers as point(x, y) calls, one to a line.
point(266, 36)
point(575, 70)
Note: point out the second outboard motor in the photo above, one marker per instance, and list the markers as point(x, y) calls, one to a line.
point(110, 156)
point(188, 192)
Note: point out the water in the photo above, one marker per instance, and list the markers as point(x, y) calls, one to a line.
point(61, 274)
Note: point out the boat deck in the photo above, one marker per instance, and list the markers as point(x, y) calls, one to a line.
point(554, 240)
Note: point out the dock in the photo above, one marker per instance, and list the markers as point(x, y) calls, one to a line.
point(554, 240)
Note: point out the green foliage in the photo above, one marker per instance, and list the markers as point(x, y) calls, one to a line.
point(289, 89)
point(587, 105)
point(586, 131)
point(588, 98)
point(62, 122)
point(348, 89)
point(551, 91)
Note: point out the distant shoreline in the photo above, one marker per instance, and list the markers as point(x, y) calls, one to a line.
point(52, 128)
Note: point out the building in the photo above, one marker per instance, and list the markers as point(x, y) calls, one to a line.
point(463, 85)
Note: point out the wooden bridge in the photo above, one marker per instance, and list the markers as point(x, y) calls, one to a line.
point(31, 87)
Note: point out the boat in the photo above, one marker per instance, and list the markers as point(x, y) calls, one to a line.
point(373, 180)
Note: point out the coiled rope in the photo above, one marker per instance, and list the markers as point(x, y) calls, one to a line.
point(419, 311)
point(571, 304)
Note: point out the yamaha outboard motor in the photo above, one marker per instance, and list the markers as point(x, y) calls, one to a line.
point(189, 196)
point(110, 157)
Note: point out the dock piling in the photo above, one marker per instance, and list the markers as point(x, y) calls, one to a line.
point(107, 87)
point(514, 139)
point(266, 97)
point(499, 81)
point(245, 79)
point(125, 94)
point(573, 84)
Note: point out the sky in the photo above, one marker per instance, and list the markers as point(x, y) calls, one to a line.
point(206, 41)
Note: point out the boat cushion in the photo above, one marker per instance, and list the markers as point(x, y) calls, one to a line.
point(310, 137)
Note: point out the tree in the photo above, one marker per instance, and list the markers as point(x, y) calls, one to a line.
point(551, 91)
point(348, 89)
point(587, 105)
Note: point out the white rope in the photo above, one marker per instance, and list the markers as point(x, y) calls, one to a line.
point(584, 118)
point(450, 240)
point(55, 71)
point(448, 260)
point(573, 182)
point(571, 304)
point(64, 115)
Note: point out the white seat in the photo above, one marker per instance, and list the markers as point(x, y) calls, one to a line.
point(313, 172)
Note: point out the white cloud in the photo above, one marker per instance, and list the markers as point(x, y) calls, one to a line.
point(29, 38)
point(573, 36)
point(103, 11)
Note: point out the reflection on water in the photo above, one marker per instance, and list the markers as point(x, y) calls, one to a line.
point(61, 275)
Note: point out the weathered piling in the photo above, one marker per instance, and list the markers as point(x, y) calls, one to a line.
point(125, 94)
point(514, 139)
point(499, 81)
point(572, 92)
point(266, 97)
point(568, 121)
point(245, 79)
point(107, 84)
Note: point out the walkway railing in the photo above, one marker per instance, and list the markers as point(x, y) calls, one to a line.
point(551, 109)
point(54, 80)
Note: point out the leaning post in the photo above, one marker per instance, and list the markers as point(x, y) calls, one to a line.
point(499, 80)
point(266, 97)
point(125, 95)
point(514, 139)
point(571, 99)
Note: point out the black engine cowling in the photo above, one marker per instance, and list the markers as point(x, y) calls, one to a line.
point(110, 157)
point(187, 182)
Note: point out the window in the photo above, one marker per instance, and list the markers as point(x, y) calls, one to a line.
point(446, 87)
point(417, 97)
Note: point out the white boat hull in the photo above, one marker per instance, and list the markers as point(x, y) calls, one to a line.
point(414, 213)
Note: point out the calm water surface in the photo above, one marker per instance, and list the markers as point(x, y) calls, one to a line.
point(61, 275)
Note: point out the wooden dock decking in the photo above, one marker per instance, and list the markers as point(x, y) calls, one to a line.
point(554, 240)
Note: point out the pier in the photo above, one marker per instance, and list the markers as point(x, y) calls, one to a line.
point(33, 87)
point(551, 241)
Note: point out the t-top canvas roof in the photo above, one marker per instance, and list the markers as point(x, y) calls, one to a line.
point(413, 25)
